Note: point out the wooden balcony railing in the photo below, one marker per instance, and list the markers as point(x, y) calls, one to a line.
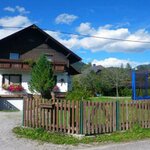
point(59, 66)
point(13, 64)
point(20, 65)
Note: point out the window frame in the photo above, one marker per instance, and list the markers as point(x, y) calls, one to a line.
point(9, 75)
point(49, 55)
point(14, 58)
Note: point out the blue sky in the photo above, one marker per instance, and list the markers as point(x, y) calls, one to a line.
point(119, 19)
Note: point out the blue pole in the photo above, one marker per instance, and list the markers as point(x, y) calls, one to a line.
point(133, 85)
point(146, 84)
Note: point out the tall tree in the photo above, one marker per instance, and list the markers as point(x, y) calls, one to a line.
point(128, 66)
point(42, 78)
point(114, 78)
point(87, 81)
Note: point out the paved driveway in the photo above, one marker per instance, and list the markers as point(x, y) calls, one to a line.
point(9, 141)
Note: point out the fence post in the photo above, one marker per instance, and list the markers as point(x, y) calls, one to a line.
point(23, 111)
point(117, 116)
point(81, 117)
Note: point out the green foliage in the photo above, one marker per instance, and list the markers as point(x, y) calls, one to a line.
point(42, 79)
point(115, 78)
point(113, 81)
point(30, 61)
point(42, 135)
point(110, 99)
point(78, 94)
point(89, 82)
point(125, 92)
point(135, 133)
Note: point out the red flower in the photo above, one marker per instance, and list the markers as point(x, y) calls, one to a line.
point(56, 89)
point(14, 88)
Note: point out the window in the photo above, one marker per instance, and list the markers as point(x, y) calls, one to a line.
point(11, 79)
point(49, 57)
point(14, 56)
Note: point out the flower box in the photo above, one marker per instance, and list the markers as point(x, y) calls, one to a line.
point(13, 87)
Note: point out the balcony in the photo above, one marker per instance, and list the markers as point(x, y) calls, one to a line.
point(20, 65)
point(59, 66)
point(13, 64)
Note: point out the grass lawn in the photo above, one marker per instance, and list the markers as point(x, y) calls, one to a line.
point(109, 98)
point(136, 133)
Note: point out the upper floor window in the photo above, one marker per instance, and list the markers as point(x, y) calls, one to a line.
point(49, 57)
point(14, 56)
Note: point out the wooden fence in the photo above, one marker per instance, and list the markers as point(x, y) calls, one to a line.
point(85, 117)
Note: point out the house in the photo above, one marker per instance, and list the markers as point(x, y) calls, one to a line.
point(93, 68)
point(18, 50)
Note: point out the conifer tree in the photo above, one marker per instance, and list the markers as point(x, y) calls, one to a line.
point(42, 78)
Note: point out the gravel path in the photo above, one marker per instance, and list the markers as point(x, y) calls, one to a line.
point(9, 141)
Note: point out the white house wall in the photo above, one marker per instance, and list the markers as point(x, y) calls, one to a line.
point(63, 86)
point(25, 79)
point(66, 85)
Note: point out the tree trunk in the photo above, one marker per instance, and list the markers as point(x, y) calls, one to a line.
point(117, 90)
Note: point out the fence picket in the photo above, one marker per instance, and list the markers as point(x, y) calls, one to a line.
point(28, 112)
point(69, 117)
point(96, 117)
point(110, 116)
point(65, 116)
point(72, 125)
point(24, 111)
point(77, 117)
point(114, 116)
point(88, 122)
point(57, 115)
point(50, 117)
point(84, 118)
point(61, 116)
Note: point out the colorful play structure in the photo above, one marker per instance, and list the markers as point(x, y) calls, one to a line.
point(140, 85)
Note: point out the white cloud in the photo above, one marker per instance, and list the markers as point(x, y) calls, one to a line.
point(65, 18)
point(101, 44)
point(55, 35)
point(10, 9)
point(115, 62)
point(85, 28)
point(19, 9)
point(15, 21)
point(6, 32)
point(22, 10)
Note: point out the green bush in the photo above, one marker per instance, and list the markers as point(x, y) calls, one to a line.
point(125, 92)
point(78, 94)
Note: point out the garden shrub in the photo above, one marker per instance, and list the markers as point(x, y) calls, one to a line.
point(78, 94)
point(125, 92)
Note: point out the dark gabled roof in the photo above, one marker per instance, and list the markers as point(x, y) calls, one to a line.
point(49, 40)
point(73, 71)
point(94, 68)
